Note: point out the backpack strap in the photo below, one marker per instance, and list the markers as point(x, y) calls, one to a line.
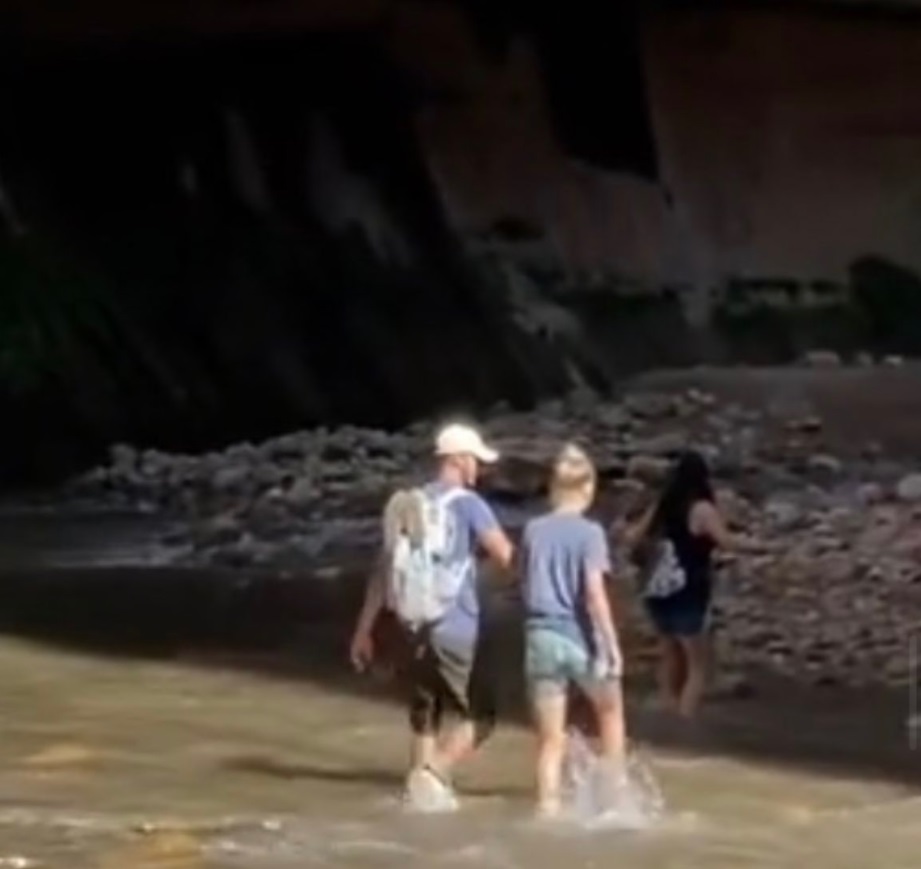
point(403, 513)
point(443, 502)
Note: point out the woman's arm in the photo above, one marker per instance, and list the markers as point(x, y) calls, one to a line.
point(599, 610)
point(596, 566)
point(706, 520)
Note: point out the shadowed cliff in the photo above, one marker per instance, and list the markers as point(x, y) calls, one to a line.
point(215, 243)
point(222, 225)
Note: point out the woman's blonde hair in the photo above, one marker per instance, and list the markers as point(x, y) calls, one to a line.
point(573, 479)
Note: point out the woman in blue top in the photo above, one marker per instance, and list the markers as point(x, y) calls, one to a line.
point(570, 634)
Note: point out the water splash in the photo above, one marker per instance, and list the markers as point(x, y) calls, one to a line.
point(597, 799)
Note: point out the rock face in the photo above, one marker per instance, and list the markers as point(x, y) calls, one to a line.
point(834, 598)
point(225, 256)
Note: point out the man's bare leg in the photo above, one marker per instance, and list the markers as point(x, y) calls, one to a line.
point(423, 750)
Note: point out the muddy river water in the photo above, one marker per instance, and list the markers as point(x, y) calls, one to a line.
point(191, 752)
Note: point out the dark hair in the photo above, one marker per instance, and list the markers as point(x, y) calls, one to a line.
point(688, 483)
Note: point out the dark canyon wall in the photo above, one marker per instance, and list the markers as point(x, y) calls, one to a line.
point(259, 216)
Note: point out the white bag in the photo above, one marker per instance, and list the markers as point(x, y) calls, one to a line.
point(419, 533)
point(666, 575)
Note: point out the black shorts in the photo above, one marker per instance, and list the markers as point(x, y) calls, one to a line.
point(444, 680)
point(680, 615)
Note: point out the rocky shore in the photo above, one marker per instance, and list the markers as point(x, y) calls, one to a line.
point(836, 601)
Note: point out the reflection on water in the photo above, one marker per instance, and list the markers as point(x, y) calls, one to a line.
point(50, 537)
point(119, 763)
point(78, 539)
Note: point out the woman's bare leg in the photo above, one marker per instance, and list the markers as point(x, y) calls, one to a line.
point(549, 705)
point(696, 650)
point(673, 672)
point(612, 730)
point(607, 698)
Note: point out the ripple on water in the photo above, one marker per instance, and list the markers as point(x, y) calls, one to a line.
point(317, 847)
point(486, 854)
point(492, 839)
point(311, 845)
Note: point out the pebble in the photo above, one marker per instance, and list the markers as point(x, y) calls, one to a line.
point(783, 515)
point(647, 469)
point(822, 464)
point(909, 488)
point(822, 359)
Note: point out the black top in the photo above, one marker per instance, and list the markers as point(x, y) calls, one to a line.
point(695, 554)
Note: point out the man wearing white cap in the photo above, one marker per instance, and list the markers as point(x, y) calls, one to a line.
point(449, 672)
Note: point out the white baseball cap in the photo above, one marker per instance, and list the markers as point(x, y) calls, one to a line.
point(458, 440)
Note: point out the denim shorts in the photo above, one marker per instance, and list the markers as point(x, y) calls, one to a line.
point(555, 660)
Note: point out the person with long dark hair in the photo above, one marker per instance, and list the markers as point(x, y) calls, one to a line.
point(678, 536)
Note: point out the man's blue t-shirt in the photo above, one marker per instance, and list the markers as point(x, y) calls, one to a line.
point(472, 518)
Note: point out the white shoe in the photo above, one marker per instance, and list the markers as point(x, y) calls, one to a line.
point(428, 793)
